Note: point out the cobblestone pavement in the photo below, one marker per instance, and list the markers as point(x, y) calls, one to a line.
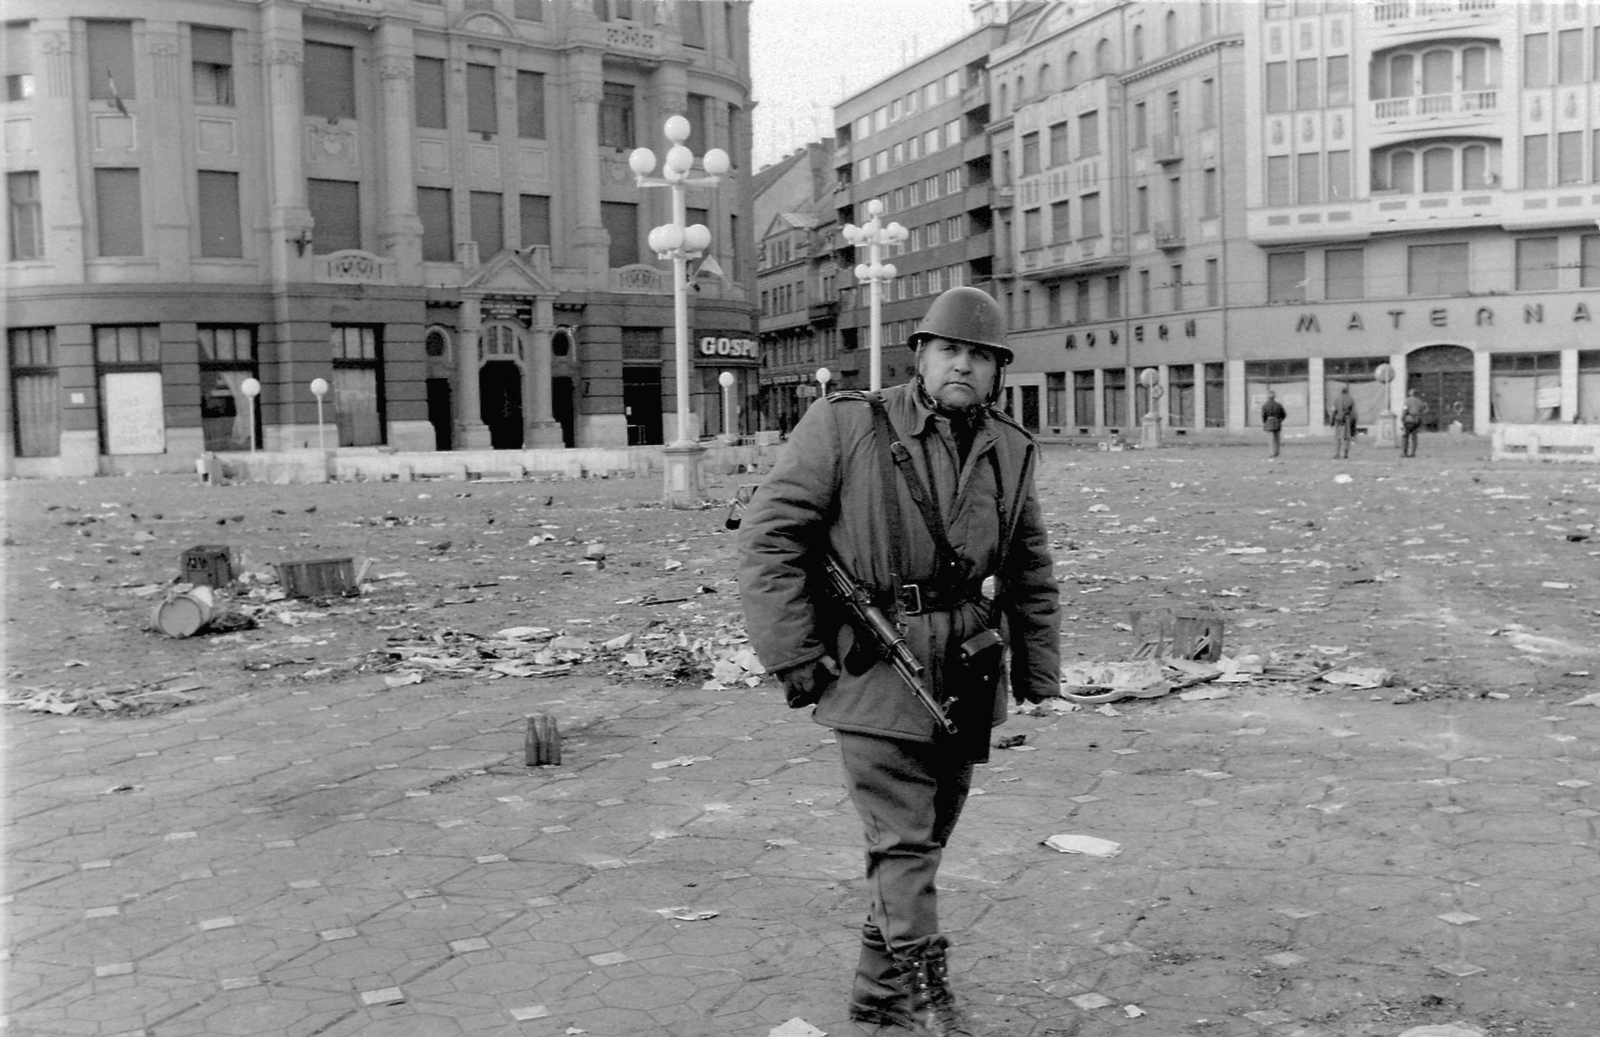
point(354, 859)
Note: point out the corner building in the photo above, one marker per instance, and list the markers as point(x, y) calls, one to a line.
point(426, 205)
point(1237, 197)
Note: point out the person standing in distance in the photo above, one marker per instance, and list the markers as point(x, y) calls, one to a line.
point(1272, 415)
point(1411, 418)
point(920, 492)
point(1343, 418)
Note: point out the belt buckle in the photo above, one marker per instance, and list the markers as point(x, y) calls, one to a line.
point(910, 599)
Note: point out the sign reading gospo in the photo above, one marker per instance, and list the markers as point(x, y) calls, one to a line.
point(722, 345)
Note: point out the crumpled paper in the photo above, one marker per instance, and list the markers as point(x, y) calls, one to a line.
point(1088, 845)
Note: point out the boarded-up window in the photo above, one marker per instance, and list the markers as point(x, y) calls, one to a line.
point(119, 216)
point(438, 233)
point(110, 59)
point(535, 218)
point(428, 92)
point(483, 114)
point(211, 65)
point(1438, 269)
point(357, 388)
point(488, 223)
point(621, 221)
point(220, 236)
point(530, 105)
point(329, 80)
point(128, 359)
point(35, 393)
point(27, 223)
point(336, 209)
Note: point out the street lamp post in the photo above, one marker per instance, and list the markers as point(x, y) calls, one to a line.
point(1386, 435)
point(823, 377)
point(319, 389)
point(251, 389)
point(1150, 425)
point(876, 273)
point(725, 379)
point(680, 243)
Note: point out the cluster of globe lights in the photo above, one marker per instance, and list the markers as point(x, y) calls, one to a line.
point(675, 238)
point(875, 233)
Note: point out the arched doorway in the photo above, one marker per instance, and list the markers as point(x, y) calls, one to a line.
point(1442, 375)
point(500, 385)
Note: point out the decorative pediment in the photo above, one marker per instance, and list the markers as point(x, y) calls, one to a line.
point(485, 23)
point(510, 274)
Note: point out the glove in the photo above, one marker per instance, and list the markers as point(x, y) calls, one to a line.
point(803, 685)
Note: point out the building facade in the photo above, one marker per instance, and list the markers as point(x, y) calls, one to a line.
point(424, 207)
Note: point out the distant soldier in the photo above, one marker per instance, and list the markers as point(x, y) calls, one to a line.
point(1411, 422)
point(1343, 418)
point(1272, 415)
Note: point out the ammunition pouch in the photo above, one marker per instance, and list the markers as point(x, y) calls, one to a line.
point(977, 664)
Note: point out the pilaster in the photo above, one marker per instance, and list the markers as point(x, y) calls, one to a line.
point(56, 129)
point(399, 227)
point(283, 47)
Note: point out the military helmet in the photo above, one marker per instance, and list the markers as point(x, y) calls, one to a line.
point(966, 315)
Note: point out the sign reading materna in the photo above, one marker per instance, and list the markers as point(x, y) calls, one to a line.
point(713, 345)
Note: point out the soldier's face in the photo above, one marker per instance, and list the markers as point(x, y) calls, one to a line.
point(958, 375)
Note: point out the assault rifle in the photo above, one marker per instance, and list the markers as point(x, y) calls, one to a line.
point(870, 620)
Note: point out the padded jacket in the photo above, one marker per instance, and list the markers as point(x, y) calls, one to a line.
point(826, 492)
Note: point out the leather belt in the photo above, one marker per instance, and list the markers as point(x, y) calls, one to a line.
point(918, 598)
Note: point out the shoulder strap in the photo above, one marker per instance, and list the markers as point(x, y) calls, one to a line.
point(891, 493)
point(896, 454)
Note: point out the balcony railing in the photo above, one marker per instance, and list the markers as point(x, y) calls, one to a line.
point(1436, 104)
point(1000, 196)
point(1166, 147)
point(1083, 254)
point(1402, 10)
point(1167, 235)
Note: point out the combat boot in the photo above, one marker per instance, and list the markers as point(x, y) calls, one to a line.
point(879, 995)
point(932, 1008)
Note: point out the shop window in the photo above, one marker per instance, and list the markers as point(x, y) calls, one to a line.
point(1287, 379)
point(357, 386)
point(1083, 398)
point(1114, 395)
point(1524, 388)
point(227, 358)
point(35, 392)
point(128, 366)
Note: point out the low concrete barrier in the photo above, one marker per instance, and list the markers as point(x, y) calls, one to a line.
point(1547, 443)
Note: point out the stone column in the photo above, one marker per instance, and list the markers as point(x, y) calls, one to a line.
point(399, 227)
point(585, 88)
point(542, 430)
point(283, 46)
point(166, 165)
point(471, 432)
point(1316, 395)
point(1482, 393)
point(1569, 384)
point(54, 148)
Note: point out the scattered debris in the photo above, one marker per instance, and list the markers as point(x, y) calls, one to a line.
point(796, 1027)
point(1088, 845)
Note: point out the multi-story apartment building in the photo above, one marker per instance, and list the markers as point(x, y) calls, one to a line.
point(916, 142)
point(798, 281)
point(424, 204)
point(1292, 195)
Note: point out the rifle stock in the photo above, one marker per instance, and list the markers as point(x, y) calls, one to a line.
point(870, 620)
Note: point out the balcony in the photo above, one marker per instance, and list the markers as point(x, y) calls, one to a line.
point(978, 197)
point(1063, 259)
point(354, 266)
point(1000, 196)
point(1166, 148)
point(978, 246)
point(1168, 235)
point(1470, 108)
point(1570, 205)
point(1408, 17)
point(975, 96)
point(819, 312)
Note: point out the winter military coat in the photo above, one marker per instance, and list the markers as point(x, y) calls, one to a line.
point(827, 493)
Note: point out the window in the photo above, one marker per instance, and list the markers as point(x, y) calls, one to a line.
point(1089, 215)
point(220, 235)
point(1438, 169)
point(1032, 228)
point(1536, 264)
point(1536, 160)
point(1052, 305)
point(930, 142)
point(227, 358)
point(897, 154)
point(914, 193)
point(336, 214)
point(1338, 176)
point(1030, 153)
point(528, 10)
point(1080, 300)
point(1213, 283)
point(1083, 397)
point(1438, 70)
point(110, 61)
point(1113, 296)
point(483, 113)
point(621, 221)
point(119, 214)
point(1338, 73)
point(1474, 166)
point(952, 181)
point(933, 234)
point(17, 62)
point(35, 392)
point(1277, 86)
point(328, 74)
point(1175, 201)
point(1141, 208)
point(952, 84)
point(1141, 125)
point(692, 23)
point(1144, 291)
point(428, 93)
point(930, 95)
point(357, 389)
point(438, 224)
point(26, 218)
point(1060, 221)
point(530, 105)
point(211, 64)
point(914, 238)
point(1344, 273)
point(1208, 103)
point(1308, 178)
point(1210, 193)
point(616, 115)
point(1055, 398)
point(1305, 83)
point(1589, 262)
point(880, 162)
point(953, 230)
point(1114, 386)
point(128, 363)
point(488, 223)
point(1058, 143)
point(1278, 186)
point(534, 212)
point(1176, 278)
point(1536, 59)
point(952, 133)
point(1569, 157)
point(1088, 134)
point(1138, 43)
point(1569, 56)
point(1437, 269)
point(1286, 277)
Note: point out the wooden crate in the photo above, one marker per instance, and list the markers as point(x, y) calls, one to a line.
point(318, 578)
point(208, 565)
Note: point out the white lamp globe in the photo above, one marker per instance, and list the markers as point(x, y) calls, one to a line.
point(666, 237)
point(642, 161)
point(875, 207)
point(319, 387)
point(696, 237)
point(898, 232)
point(250, 387)
point(677, 129)
point(726, 379)
point(863, 272)
point(823, 375)
point(716, 162)
point(679, 159)
point(887, 271)
point(850, 232)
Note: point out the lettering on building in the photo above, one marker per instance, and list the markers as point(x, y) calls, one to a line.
point(1438, 317)
point(723, 346)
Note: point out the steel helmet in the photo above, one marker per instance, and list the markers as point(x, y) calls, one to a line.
point(966, 315)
